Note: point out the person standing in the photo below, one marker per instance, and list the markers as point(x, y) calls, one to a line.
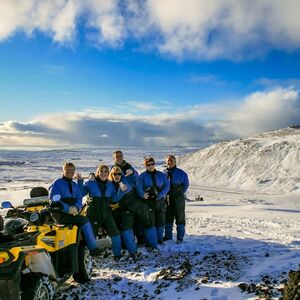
point(132, 176)
point(119, 205)
point(153, 186)
point(179, 184)
point(128, 170)
point(65, 208)
point(100, 192)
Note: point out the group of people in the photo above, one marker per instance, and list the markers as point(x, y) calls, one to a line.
point(131, 208)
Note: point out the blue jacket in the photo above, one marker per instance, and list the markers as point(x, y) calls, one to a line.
point(92, 188)
point(132, 179)
point(61, 187)
point(177, 176)
point(118, 193)
point(145, 182)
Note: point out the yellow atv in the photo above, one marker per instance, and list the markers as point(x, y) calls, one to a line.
point(36, 255)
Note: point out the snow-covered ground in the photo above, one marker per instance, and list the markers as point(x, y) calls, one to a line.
point(234, 238)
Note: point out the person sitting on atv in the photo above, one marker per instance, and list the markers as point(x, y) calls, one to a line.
point(65, 210)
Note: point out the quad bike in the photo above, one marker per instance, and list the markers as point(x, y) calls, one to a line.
point(41, 255)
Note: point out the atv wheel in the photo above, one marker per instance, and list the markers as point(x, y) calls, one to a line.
point(36, 286)
point(85, 264)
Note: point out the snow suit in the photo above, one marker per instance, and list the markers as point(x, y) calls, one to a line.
point(143, 217)
point(179, 184)
point(123, 217)
point(70, 193)
point(157, 185)
point(142, 220)
point(99, 213)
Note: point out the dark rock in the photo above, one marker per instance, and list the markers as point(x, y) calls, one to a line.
point(117, 279)
point(243, 286)
point(204, 280)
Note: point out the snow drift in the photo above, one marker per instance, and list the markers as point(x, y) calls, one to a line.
point(266, 162)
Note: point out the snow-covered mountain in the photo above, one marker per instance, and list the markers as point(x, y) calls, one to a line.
point(267, 162)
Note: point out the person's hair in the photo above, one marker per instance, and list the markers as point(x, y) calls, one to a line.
point(117, 152)
point(68, 164)
point(171, 156)
point(148, 159)
point(114, 169)
point(100, 167)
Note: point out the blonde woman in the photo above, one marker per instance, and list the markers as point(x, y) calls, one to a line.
point(100, 192)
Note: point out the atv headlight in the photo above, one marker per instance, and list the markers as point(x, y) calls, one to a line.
point(5, 257)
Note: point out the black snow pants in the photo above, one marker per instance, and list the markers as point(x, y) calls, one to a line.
point(100, 215)
point(175, 205)
point(142, 212)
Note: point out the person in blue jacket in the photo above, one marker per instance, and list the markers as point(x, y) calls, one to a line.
point(128, 170)
point(65, 208)
point(153, 186)
point(119, 205)
point(179, 184)
point(100, 192)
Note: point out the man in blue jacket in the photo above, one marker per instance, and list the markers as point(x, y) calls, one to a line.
point(66, 207)
point(179, 184)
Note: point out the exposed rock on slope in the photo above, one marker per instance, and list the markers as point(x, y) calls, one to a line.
point(267, 162)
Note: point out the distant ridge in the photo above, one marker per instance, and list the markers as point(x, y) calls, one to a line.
point(296, 126)
point(268, 162)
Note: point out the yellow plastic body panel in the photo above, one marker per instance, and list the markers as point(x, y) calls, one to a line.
point(64, 236)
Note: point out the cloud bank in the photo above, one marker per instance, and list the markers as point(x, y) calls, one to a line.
point(192, 29)
point(256, 113)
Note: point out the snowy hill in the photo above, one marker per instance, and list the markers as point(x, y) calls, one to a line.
point(267, 162)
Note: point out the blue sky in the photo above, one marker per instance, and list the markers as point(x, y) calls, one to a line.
point(146, 72)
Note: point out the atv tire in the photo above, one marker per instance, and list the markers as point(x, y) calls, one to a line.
point(85, 265)
point(36, 286)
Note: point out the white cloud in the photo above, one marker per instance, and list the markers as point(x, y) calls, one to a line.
point(274, 82)
point(146, 106)
point(256, 113)
point(264, 111)
point(106, 20)
point(192, 29)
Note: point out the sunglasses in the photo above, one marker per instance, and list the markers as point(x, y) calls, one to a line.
point(104, 171)
point(150, 164)
point(117, 174)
